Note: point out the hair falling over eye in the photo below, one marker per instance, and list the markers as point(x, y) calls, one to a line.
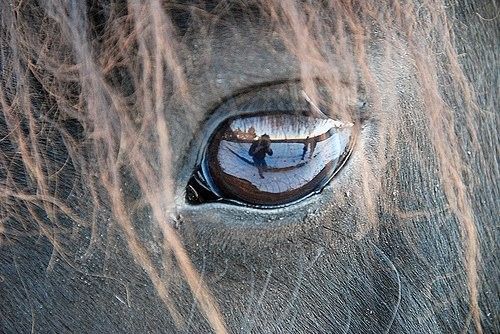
point(87, 87)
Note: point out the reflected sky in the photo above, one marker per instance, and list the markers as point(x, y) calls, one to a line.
point(281, 127)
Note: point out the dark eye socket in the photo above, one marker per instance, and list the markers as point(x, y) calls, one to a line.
point(270, 158)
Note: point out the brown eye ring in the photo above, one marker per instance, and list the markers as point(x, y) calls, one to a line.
point(269, 160)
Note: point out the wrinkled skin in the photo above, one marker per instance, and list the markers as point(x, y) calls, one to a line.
point(302, 268)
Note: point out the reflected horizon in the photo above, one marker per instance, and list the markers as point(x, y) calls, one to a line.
point(277, 154)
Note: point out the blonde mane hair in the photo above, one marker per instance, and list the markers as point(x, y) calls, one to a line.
point(85, 93)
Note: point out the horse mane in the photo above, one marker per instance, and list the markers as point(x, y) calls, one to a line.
point(86, 88)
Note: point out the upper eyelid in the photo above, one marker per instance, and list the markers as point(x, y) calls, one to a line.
point(232, 105)
point(252, 88)
point(257, 100)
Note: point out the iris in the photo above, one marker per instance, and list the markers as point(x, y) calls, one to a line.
point(270, 159)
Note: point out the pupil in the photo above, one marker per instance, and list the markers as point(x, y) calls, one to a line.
point(269, 160)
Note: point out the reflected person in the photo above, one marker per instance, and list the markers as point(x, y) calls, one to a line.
point(258, 152)
point(304, 149)
point(309, 144)
point(312, 146)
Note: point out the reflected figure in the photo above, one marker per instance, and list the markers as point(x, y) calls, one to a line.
point(312, 146)
point(309, 144)
point(258, 152)
point(304, 149)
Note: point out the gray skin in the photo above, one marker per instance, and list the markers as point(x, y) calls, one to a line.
point(298, 269)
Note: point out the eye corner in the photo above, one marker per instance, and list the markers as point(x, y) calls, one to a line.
point(198, 191)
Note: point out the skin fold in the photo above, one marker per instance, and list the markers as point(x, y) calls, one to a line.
point(383, 248)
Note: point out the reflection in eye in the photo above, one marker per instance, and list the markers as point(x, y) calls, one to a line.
point(270, 159)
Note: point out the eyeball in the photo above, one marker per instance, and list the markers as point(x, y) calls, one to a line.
point(270, 159)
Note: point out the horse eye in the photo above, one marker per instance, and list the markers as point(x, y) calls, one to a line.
point(267, 160)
